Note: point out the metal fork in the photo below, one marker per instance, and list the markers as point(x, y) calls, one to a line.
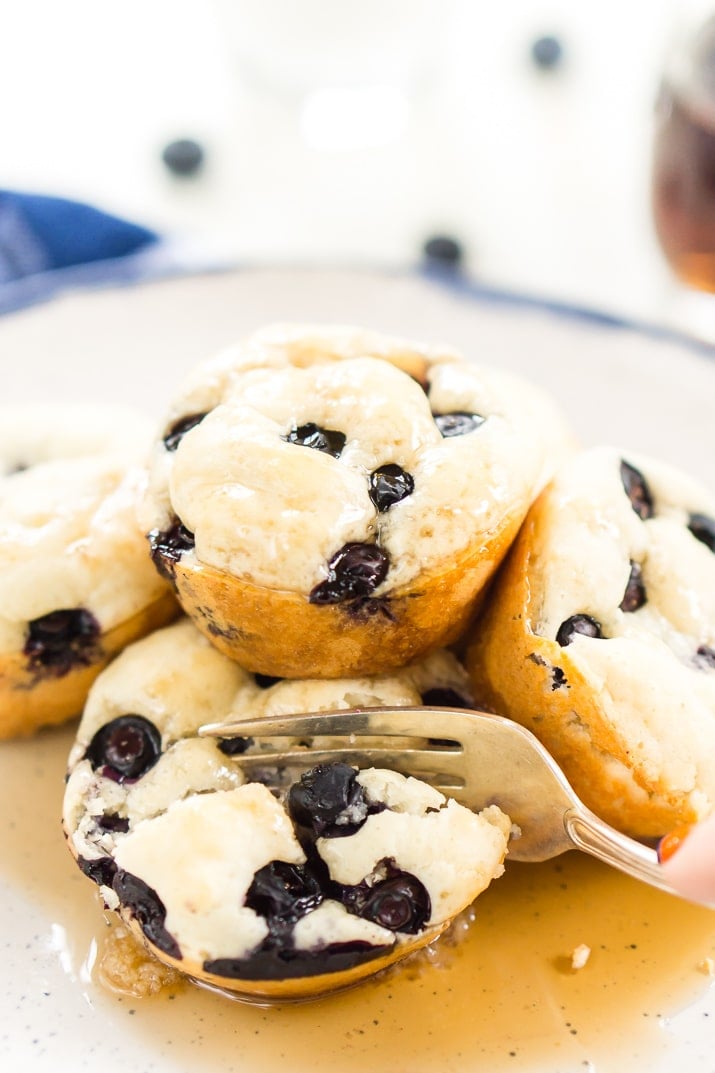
point(475, 757)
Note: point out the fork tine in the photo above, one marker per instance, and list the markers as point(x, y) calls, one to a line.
point(475, 757)
point(434, 766)
point(383, 722)
point(414, 741)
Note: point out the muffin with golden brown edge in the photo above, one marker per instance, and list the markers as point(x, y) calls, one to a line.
point(329, 501)
point(76, 583)
point(600, 637)
point(279, 889)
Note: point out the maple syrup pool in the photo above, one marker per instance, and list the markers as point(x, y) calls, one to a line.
point(499, 993)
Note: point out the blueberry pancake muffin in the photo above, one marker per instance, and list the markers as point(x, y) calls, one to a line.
point(600, 637)
point(76, 583)
point(279, 888)
point(331, 501)
point(43, 432)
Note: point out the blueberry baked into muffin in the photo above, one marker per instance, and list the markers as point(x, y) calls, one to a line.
point(282, 888)
point(329, 501)
point(600, 637)
point(76, 583)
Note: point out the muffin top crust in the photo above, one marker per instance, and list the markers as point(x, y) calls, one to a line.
point(304, 444)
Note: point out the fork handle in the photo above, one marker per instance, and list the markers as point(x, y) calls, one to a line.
point(590, 834)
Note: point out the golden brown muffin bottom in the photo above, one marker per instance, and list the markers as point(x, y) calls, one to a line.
point(512, 672)
point(29, 701)
point(280, 633)
point(295, 989)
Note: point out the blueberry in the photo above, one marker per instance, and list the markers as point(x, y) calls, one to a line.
point(328, 801)
point(355, 570)
point(184, 157)
point(365, 607)
point(443, 250)
point(148, 909)
point(583, 624)
point(635, 594)
point(547, 52)
point(178, 430)
point(125, 748)
point(558, 679)
point(458, 423)
point(101, 870)
point(637, 490)
point(274, 960)
point(702, 526)
point(400, 903)
point(61, 640)
point(234, 746)
point(112, 821)
point(283, 892)
point(167, 546)
point(327, 440)
point(388, 485)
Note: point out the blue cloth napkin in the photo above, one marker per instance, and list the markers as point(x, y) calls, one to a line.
point(48, 244)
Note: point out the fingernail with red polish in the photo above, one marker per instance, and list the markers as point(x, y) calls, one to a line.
point(671, 843)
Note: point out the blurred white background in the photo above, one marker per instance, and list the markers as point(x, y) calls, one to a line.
point(353, 139)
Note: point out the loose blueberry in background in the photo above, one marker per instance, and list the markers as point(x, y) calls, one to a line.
point(637, 490)
point(61, 640)
point(547, 52)
point(327, 440)
point(577, 624)
point(167, 546)
point(703, 529)
point(323, 795)
point(179, 429)
point(125, 748)
point(283, 892)
point(184, 157)
point(388, 485)
point(635, 594)
point(457, 423)
point(443, 250)
point(356, 570)
point(149, 910)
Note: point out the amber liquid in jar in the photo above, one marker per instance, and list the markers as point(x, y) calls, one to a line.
point(684, 186)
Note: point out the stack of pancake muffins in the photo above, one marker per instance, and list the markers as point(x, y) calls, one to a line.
point(330, 518)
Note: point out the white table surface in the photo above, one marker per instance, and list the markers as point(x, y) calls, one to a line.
point(543, 176)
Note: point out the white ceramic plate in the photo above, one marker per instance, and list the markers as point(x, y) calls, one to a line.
point(504, 995)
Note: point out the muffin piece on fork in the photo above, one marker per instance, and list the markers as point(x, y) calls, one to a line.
point(283, 888)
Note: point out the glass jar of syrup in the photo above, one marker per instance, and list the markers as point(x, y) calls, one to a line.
point(684, 161)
